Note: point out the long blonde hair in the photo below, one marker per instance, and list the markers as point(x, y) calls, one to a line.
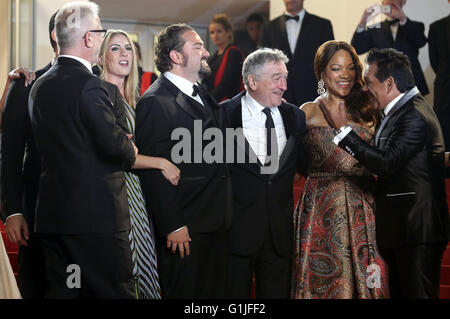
point(131, 80)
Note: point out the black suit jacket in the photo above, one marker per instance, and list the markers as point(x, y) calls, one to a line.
point(202, 199)
point(84, 152)
point(21, 161)
point(264, 202)
point(302, 83)
point(409, 161)
point(410, 38)
point(439, 50)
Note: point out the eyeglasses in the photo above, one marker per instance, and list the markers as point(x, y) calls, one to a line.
point(102, 32)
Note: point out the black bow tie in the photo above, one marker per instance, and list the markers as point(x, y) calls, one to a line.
point(392, 22)
point(196, 90)
point(288, 17)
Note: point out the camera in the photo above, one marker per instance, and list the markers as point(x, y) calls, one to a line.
point(385, 9)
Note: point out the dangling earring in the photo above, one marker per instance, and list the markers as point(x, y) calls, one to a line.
point(321, 88)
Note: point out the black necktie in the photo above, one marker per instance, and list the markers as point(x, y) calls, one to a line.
point(195, 90)
point(269, 126)
point(288, 17)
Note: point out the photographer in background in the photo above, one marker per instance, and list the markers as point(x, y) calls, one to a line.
point(396, 31)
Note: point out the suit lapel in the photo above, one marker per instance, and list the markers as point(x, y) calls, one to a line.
point(302, 35)
point(236, 123)
point(284, 38)
point(408, 96)
point(182, 100)
point(386, 28)
point(291, 138)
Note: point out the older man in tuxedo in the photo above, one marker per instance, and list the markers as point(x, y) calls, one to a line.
point(82, 210)
point(412, 218)
point(298, 34)
point(261, 236)
point(191, 218)
point(396, 31)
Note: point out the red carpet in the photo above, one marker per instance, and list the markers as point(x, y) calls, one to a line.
point(11, 249)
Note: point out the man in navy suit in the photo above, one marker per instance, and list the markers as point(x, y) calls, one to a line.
point(398, 32)
point(298, 34)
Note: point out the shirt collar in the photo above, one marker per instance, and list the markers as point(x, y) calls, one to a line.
point(392, 103)
point(81, 60)
point(181, 83)
point(253, 106)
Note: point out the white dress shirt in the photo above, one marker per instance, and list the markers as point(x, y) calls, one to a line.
point(293, 29)
point(81, 60)
point(254, 127)
point(183, 85)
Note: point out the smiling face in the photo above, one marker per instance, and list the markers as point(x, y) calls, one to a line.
point(339, 74)
point(119, 56)
point(379, 90)
point(195, 56)
point(219, 35)
point(268, 87)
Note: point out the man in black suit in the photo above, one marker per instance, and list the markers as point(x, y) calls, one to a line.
point(298, 34)
point(412, 218)
point(397, 32)
point(82, 209)
point(192, 218)
point(20, 169)
point(261, 235)
point(439, 51)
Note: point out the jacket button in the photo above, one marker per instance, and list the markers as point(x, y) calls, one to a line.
point(223, 177)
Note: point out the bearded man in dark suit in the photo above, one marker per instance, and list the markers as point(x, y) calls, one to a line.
point(191, 218)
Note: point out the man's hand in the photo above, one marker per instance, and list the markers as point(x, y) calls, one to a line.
point(130, 136)
point(17, 230)
point(180, 240)
point(366, 14)
point(336, 118)
point(30, 76)
point(170, 171)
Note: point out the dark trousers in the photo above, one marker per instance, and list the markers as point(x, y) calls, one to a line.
point(104, 262)
point(31, 273)
point(272, 274)
point(414, 270)
point(202, 274)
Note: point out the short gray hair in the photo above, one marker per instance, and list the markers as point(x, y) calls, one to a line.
point(257, 59)
point(73, 21)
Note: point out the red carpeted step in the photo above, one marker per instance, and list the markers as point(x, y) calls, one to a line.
point(9, 246)
point(446, 257)
point(444, 292)
point(445, 275)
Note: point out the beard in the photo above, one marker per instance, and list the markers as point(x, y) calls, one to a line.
point(205, 70)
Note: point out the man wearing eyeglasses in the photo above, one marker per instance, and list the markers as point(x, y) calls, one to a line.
point(82, 210)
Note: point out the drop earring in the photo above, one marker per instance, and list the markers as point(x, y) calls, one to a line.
point(321, 88)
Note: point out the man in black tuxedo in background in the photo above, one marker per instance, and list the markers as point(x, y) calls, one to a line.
point(397, 32)
point(82, 209)
point(298, 34)
point(261, 235)
point(191, 218)
point(439, 51)
point(20, 167)
point(412, 218)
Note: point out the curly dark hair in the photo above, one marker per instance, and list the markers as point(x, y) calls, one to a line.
point(358, 101)
point(169, 39)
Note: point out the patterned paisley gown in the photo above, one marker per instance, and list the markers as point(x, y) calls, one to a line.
point(335, 254)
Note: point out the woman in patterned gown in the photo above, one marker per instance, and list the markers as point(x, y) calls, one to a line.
point(335, 254)
point(117, 59)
